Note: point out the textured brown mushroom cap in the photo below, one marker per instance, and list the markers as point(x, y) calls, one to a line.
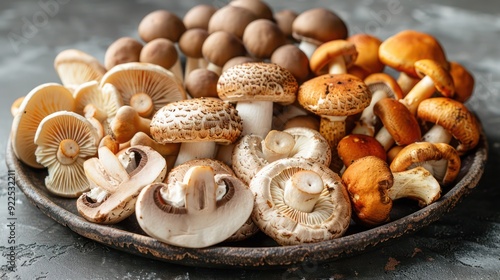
point(191, 42)
point(262, 37)
point(40, 102)
point(463, 81)
point(159, 51)
point(76, 67)
point(202, 82)
point(368, 180)
point(328, 51)
point(161, 24)
point(367, 46)
point(319, 25)
point(384, 81)
point(455, 117)
point(284, 19)
point(398, 120)
point(294, 59)
point(355, 146)
point(403, 49)
point(195, 120)
point(231, 19)
point(123, 50)
point(259, 8)
point(220, 46)
point(198, 16)
point(418, 153)
point(334, 95)
point(329, 219)
point(441, 77)
point(257, 81)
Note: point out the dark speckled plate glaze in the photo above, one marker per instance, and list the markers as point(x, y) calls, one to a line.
point(259, 251)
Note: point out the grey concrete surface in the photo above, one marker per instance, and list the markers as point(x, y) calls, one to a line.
point(464, 244)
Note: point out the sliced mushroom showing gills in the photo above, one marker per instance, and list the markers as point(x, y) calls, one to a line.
point(64, 141)
point(300, 201)
point(114, 191)
point(194, 217)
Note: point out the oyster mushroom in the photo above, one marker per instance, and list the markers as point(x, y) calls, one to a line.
point(145, 87)
point(300, 201)
point(193, 216)
point(36, 105)
point(118, 202)
point(76, 67)
point(64, 141)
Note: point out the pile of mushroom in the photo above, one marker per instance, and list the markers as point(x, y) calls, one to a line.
point(278, 121)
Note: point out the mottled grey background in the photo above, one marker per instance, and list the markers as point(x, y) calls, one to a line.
point(464, 244)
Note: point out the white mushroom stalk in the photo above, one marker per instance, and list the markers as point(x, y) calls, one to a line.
point(303, 190)
point(367, 120)
point(196, 150)
point(308, 47)
point(415, 183)
point(424, 89)
point(277, 144)
point(249, 110)
point(437, 134)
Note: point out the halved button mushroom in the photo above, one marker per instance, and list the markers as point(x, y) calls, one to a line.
point(75, 67)
point(64, 141)
point(119, 202)
point(300, 201)
point(193, 216)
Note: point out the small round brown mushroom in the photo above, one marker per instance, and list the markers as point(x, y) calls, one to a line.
point(333, 57)
point(355, 146)
point(198, 16)
point(191, 43)
point(219, 47)
point(202, 83)
point(367, 46)
point(161, 52)
point(308, 121)
point(293, 59)
point(161, 24)
point(284, 19)
point(231, 19)
point(75, 67)
point(237, 60)
point(262, 37)
point(259, 8)
point(122, 50)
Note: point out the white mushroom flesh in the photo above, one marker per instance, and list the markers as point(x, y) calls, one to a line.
point(303, 190)
point(416, 183)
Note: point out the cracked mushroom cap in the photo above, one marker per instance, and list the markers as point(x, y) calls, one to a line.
point(64, 141)
point(40, 102)
point(334, 95)
point(257, 81)
point(94, 101)
point(145, 87)
point(196, 120)
point(329, 51)
point(194, 216)
point(455, 117)
point(441, 159)
point(75, 67)
point(300, 201)
point(368, 180)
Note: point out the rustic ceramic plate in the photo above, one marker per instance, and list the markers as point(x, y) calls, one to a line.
point(259, 251)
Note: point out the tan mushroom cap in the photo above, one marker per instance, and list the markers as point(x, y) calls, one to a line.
point(93, 101)
point(368, 180)
point(159, 51)
point(398, 120)
point(238, 60)
point(404, 48)
point(191, 42)
point(455, 117)
point(355, 146)
point(331, 212)
point(262, 37)
point(329, 51)
point(463, 81)
point(40, 102)
point(76, 67)
point(367, 46)
point(441, 77)
point(319, 25)
point(122, 50)
point(384, 81)
point(220, 46)
point(14, 108)
point(161, 24)
point(64, 141)
point(293, 59)
point(202, 82)
point(198, 16)
point(156, 84)
point(257, 81)
point(284, 19)
point(259, 8)
point(231, 19)
point(420, 153)
point(334, 95)
point(196, 120)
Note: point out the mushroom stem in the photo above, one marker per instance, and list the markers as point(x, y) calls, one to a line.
point(68, 151)
point(333, 129)
point(90, 110)
point(385, 138)
point(143, 104)
point(366, 123)
point(337, 66)
point(177, 70)
point(437, 134)
point(215, 68)
point(303, 190)
point(406, 82)
point(416, 183)
point(201, 189)
point(257, 117)
point(307, 47)
point(126, 123)
point(424, 89)
point(277, 145)
point(195, 150)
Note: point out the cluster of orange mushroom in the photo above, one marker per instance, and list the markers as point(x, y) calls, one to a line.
point(238, 119)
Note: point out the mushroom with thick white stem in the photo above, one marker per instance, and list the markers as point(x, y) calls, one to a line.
point(64, 141)
point(300, 201)
point(75, 67)
point(145, 87)
point(452, 119)
point(416, 183)
point(194, 216)
point(198, 124)
point(255, 87)
point(110, 206)
point(253, 152)
point(333, 57)
point(40, 102)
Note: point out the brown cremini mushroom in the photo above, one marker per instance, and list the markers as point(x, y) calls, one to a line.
point(161, 24)
point(219, 47)
point(198, 16)
point(231, 19)
point(162, 52)
point(293, 59)
point(202, 82)
point(75, 67)
point(333, 57)
point(191, 44)
point(259, 8)
point(262, 37)
point(122, 50)
point(284, 19)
